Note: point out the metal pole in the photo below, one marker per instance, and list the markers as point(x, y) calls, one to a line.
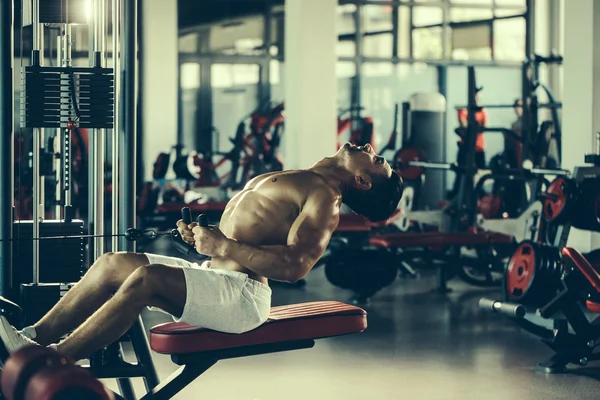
point(6, 147)
point(116, 132)
point(97, 182)
point(128, 143)
point(60, 138)
point(530, 29)
point(38, 138)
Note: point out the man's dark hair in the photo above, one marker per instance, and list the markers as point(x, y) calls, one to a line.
point(380, 201)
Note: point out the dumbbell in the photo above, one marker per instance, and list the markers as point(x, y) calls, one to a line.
point(40, 373)
point(178, 242)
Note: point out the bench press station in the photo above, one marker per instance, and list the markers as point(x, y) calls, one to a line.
point(30, 372)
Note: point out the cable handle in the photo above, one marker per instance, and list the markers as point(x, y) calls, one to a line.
point(178, 242)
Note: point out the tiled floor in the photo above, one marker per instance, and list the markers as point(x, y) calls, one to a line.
point(419, 345)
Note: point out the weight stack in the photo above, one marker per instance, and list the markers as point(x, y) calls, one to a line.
point(427, 127)
point(37, 300)
point(61, 260)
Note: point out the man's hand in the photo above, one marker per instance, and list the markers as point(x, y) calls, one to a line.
point(185, 231)
point(210, 241)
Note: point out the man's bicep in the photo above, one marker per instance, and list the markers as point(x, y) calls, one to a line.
point(312, 231)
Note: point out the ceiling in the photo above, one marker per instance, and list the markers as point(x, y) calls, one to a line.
point(194, 12)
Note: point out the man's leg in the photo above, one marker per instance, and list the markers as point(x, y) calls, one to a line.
point(104, 277)
point(150, 285)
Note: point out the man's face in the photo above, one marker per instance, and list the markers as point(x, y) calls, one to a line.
point(478, 98)
point(362, 160)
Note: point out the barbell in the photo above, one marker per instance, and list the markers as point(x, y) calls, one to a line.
point(411, 163)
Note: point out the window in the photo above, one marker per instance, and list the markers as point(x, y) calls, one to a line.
point(277, 33)
point(345, 19)
point(459, 14)
point(377, 31)
point(346, 28)
point(508, 12)
point(428, 43)
point(190, 76)
point(228, 75)
point(509, 39)
point(423, 16)
point(377, 69)
point(518, 3)
point(345, 69)
point(275, 74)
point(472, 42)
point(404, 36)
point(474, 2)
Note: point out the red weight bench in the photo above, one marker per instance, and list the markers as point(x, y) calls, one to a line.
point(289, 327)
point(355, 223)
point(591, 274)
point(439, 239)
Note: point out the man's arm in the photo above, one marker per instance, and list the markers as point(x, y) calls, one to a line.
point(307, 240)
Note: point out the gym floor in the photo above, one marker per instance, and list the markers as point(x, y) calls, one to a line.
point(418, 345)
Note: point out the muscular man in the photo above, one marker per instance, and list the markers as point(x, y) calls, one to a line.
point(276, 228)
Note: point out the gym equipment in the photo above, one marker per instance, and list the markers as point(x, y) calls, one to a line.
point(424, 118)
point(361, 128)
point(196, 349)
point(363, 271)
point(533, 274)
point(555, 283)
point(579, 283)
point(41, 373)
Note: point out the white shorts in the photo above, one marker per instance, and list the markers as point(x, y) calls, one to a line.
point(217, 299)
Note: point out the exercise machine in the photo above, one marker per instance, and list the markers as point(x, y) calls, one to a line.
point(555, 287)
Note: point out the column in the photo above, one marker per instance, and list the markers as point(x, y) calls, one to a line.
point(578, 121)
point(6, 144)
point(310, 81)
point(159, 72)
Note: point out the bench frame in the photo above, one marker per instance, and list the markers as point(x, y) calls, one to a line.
point(191, 367)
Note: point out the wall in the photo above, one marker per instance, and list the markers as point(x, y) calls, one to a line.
point(160, 79)
point(579, 94)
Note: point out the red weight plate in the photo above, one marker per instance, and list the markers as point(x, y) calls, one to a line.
point(23, 364)
point(403, 157)
point(556, 202)
point(521, 271)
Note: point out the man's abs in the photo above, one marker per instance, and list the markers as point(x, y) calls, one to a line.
point(263, 213)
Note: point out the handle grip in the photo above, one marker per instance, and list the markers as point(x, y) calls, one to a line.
point(186, 215)
point(178, 242)
point(507, 309)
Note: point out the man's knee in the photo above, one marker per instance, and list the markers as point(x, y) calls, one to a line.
point(144, 283)
point(115, 268)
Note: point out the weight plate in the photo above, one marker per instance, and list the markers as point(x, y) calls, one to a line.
point(403, 157)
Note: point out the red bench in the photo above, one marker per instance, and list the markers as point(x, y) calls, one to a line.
point(195, 349)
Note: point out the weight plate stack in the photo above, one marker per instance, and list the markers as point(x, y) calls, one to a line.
point(560, 199)
point(533, 273)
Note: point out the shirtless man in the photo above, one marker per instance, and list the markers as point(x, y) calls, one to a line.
point(276, 228)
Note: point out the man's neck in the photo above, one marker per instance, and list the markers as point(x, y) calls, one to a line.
point(332, 173)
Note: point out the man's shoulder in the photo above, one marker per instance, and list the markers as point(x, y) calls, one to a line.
point(321, 193)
